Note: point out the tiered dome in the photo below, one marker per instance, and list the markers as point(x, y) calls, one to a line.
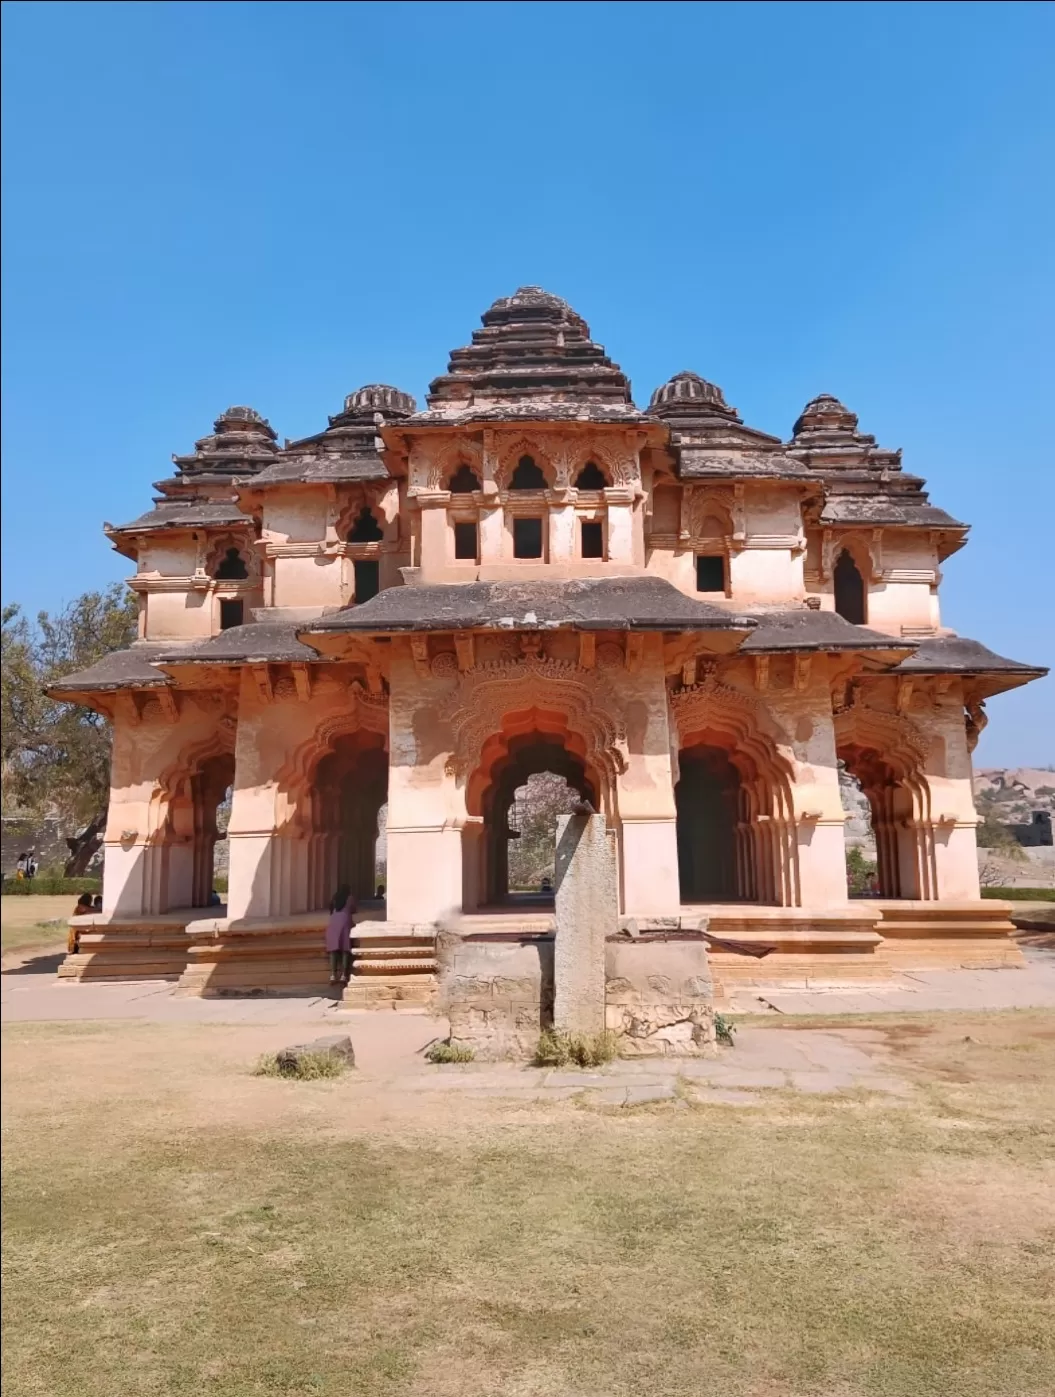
point(825, 416)
point(533, 352)
point(242, 443)
point(371, 399)
point(689, 395)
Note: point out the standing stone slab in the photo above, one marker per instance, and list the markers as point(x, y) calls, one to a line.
point(587, 913)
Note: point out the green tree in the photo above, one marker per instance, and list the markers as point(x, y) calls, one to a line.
point(56, 756)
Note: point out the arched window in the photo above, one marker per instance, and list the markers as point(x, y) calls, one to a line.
point(527, 476)
point(464, 481)
point(591, 477)
point(231, 567)
point(366, 529)
point(850, 597)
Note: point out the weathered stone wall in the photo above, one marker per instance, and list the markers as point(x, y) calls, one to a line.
point(659, 997)
point(498, 994)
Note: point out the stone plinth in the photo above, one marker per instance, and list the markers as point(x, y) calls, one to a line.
point(659, 996)
point(587, 913)
point(496, 991)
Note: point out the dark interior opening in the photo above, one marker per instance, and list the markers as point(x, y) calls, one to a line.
point(367, 578)
point(592, 539)
point(707, 797)
point(527, 476)
point(232, 568)
point(231, 612)
point(366, 529)
point(463, 481)
point(710, 572)
point(527, 538)
point(465, 542)
point(849, 590)
point(590, 477)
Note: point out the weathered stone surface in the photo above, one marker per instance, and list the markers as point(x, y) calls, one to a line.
point(335, 1045)
point(587, 914)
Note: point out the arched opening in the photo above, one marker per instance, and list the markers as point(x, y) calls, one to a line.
point(893, 806)
point(348, 792)
point(862, 875)
point(850, 594)
point(464, 481)
point(527, 476)
point(365, 528)
point(532, 822)
point(708, 800)
point(526, 755)
point(231, 567)
point(196, 810)
point(591, 477)
point(735, 825)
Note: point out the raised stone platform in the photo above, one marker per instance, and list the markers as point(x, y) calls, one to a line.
point(127, 948)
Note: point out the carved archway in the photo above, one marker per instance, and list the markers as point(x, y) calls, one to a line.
point(887, 754)
point(328, 797)
point(748, 761)
point(182, 827)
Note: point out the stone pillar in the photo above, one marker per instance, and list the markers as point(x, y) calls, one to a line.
point(561, 533)
point(587, 913)
point(648, 866)
point(426, 808)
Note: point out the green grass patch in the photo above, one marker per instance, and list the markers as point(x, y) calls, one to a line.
point(305, 1067)
point(446, 1051)
point(1020, 894)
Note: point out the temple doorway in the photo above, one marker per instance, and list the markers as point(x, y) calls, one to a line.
point(351, 789)
point(708, 798)
point(534, 779)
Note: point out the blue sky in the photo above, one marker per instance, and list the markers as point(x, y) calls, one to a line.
point(271, 204)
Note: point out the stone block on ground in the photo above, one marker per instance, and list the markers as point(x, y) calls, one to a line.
point(335, 1045)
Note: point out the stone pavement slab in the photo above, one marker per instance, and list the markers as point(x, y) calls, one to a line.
point(1030, 987)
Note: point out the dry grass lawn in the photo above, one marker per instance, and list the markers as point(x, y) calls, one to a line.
point(175, 1225)
point(22, 921)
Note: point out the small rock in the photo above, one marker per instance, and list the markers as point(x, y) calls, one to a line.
point(337, 1045)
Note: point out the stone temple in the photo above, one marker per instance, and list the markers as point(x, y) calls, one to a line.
point(692, 621)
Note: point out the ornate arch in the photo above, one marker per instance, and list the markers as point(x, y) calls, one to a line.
point(183, 768)
point(895, 737)
point(365, 712)
point(537, 447)
point(714, 714)
point(217, 549)
point(558, 691)
point(434, 462)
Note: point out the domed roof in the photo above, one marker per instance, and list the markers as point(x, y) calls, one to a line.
point(243, 442)
point(533, 358)
point(689, 395)
point(826, 413)
point(377, 397)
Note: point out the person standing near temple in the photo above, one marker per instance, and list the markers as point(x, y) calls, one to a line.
point(339, 935)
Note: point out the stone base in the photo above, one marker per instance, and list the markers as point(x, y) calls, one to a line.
point(838, 945)
point(659, 997)
point(142, 948)
point(948, 935)
point(402, 991)
point(272, 957)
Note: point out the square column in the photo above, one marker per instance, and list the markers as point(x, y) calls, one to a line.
point(426, 810)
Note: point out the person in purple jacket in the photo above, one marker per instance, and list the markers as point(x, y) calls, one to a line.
point(339, 935)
